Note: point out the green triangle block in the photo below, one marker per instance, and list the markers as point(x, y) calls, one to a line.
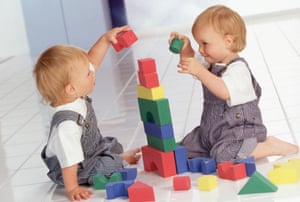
point(257, 183)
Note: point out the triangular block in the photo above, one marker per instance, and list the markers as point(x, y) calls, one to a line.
point(257, 183)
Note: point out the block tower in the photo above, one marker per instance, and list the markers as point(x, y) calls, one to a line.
point(155, 113)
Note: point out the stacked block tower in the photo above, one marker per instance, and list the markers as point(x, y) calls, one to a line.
point(154, 108)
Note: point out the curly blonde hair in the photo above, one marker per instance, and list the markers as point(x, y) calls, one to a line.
point(53, 69)
point(225, 21)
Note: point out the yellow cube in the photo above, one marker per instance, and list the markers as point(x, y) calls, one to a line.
point(207, 182)
point(155, 93)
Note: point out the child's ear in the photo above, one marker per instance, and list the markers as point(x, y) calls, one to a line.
point(228, 40)
point(69, 89)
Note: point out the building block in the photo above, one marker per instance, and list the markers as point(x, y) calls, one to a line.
point(176, 45)
point(207, 182)
point(154, 93)
point(140, 192)
point(202, 165)
point(284, 175)
point(157, 111)
point(149, 80)
point(250, 165)
point(257, 183)
point(162, 132)
point(117, 189)
point(164, 145)
point(155, 160)
point(229, 170)
point(181, 159)
point(181, 183)
point(147, 65)
point(124, 40)
point(128, 173)
point(100, 181)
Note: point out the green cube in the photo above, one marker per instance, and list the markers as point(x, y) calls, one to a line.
point(176, 45)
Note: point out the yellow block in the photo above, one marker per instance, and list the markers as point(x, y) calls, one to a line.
point(207, 182)
point(292, 163)
point(284, 175)
point(150, 93)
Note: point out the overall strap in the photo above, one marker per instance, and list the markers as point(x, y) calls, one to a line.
point(65, 115)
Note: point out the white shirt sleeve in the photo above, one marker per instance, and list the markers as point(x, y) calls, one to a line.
point(65, 144)
point(239, 84)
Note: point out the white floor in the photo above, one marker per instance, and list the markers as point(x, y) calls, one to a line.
point(273, 53)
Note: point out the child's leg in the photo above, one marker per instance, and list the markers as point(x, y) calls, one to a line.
point(273, 147)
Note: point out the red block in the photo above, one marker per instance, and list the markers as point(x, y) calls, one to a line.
point(231, 171)
point(147, 65)
point(140, 192)
point(163, 162)
point(149, 80)
point(125, 39)
point(181, 183)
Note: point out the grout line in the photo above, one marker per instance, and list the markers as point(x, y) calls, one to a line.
point(275, 89)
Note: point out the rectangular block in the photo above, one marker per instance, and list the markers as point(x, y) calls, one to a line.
point(162, 132)
point(181, 159)
point(155, 93)
point(164, 145)
point(157, 111)
point(149, 80)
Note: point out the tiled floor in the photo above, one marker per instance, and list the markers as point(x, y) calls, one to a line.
point(273, 53)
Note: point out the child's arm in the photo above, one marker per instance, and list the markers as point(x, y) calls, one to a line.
point(99, 49)
point(214, 83)
point(74, 191)
point(131, 156)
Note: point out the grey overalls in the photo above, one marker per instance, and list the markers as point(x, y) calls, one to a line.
point(226, 133)
point(100, 153)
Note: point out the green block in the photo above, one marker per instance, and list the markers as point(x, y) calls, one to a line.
point(155, 111)
point(164, 145)
point(176, 45)
point(257, 183)
point(100, 181)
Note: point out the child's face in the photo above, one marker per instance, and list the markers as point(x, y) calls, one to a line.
point(83, 78)
point(214, 46)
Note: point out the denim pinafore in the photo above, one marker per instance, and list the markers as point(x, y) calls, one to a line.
point(226, 133)
point(101, 154)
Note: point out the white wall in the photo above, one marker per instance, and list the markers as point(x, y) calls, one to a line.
point(13, 39)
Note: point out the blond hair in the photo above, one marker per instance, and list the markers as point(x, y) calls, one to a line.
point(224, 21)
point(53, 71)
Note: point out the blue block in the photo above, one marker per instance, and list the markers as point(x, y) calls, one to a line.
point(117, 189)
point(208, 166)
point(181, 159)
point(202, 165)
point(128, 173)
point(250, 165)
point(162, 132)
point(195, 164)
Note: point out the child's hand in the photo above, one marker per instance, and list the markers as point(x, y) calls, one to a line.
point(190, 66)
point(131, 156)
point(187, 50)
point(79, 193)
point(111, 36)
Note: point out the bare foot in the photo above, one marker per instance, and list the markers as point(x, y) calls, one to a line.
point(131, 156)
point(281, 147)
point(273, 147)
